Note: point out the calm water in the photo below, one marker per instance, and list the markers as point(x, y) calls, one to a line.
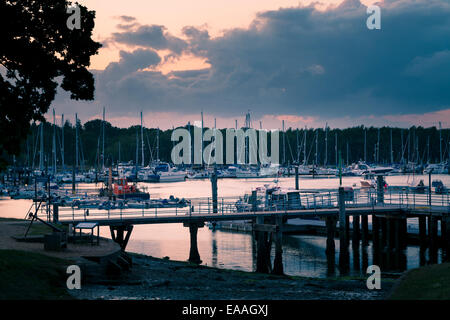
point(302, 255)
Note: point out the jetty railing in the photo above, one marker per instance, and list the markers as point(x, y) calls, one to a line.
point(312, 201)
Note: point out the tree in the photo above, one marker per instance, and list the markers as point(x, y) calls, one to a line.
point(38, 51)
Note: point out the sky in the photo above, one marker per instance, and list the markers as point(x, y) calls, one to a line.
point(309, 63)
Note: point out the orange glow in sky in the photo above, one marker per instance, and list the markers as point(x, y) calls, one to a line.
point(214, 15)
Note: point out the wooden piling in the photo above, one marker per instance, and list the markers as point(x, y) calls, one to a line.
point(365, 230)
point(194, 255)
point(261, 251)
point(343, 221)
point(356, 231)
point(423, 232)
point(214, 190)
point(446, 236)
point(278, 261)
point(433, 239)
point(296, 178)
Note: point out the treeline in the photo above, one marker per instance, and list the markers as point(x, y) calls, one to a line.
point(417, 144)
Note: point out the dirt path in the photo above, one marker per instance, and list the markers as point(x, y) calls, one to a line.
point(8, 229)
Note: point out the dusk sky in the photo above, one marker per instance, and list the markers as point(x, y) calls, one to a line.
point(282, 60)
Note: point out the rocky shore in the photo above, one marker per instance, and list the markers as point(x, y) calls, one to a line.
point(153, 278)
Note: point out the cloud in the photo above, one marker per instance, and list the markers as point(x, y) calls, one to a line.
point(150, 36)
point(293, 61)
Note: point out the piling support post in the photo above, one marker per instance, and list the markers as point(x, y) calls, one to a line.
point(446, 236)
point(380, 189)
point(355, 233)
point(342, 219)
point(214, 190)
point(296, 178)
point(433, 239)
point(261, 251)
point(365, 230)
point(278, 261)
point(194, 256)
point(423, 232)
point(343, 234)
point(55, 213)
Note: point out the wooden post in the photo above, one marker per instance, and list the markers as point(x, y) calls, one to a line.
point(55, 213)
point(261, 251)
point(214, 190)
point(423, 232)
point(380, 189)
point(355, 233)
point(331, 230)
point(278, 261)
point(446, 237)
point(433, 239)
point(384, 232)
point(296, 178)
point(342, 220)
point(343, 234)
point(194, 256)
point(365, 230)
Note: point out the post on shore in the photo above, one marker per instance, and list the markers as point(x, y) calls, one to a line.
point(194, 256)
point(380, 189)
point(365, 230)
point(423, 232)
point(214, 190)
point(355, 233)
point(445, 230)
point(342, 219)
point(278, 261)
point(55, 213)
point(262, 263)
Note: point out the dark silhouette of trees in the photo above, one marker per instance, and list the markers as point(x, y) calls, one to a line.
point(38, 51)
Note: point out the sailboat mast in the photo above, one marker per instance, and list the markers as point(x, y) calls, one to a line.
point(440, 142)
point(317, 147)
point(335, 149)
point(103, 140)
point(326, 144)
point(284, 143)
point(378, 147)
point(41, 148)
point(392, 154)
point(202, 139)
point(157, 144)
point(62, 141)
point(304, 148)
point(54, 143)
point(76, 140)
point(365, 144)
point(142, 143)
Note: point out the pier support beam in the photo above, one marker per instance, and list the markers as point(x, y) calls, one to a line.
point(445, 225)
point(331, 247)
point(343, 234)
point(423, 232)
point(194, 256)
point(433, 239)
point(118, 233)
point(263, 244)
point(278, 261)
point(380, 189)
point(214, 190)
point(296, 177)
point(355, 233)
point(365, 230)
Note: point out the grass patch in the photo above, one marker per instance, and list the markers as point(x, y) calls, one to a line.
point(32, 276)
point(425, 283)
